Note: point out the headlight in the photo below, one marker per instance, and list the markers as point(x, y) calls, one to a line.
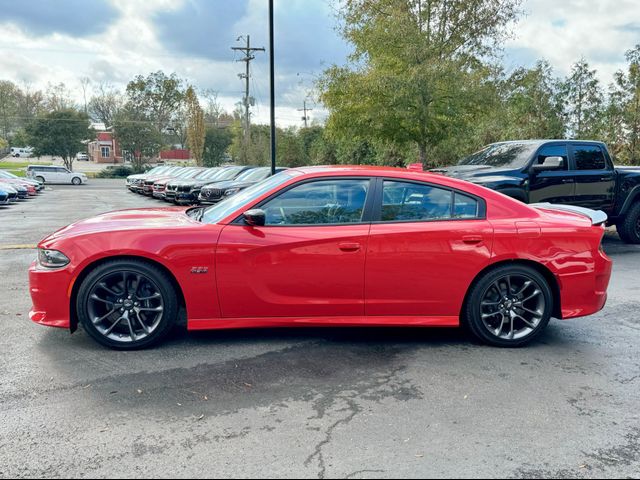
point(231, 191)
point(52, 258)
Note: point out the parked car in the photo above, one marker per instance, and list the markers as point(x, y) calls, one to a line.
point(4, 197)
point(134, 182)
point(54, 174)
point(160, 185)
point(191, 186)
point(571, 172)
point(23, 189)
point(147, 184)
point(188, 194)
point(216, 192)
point(21, 152)
point(349, 246)
point(82, 156)
point(4, 175)
point(12, 193)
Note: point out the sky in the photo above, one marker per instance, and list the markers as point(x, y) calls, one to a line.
point(113, 40)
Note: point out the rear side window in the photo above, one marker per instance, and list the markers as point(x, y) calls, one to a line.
point(465, 206)
point(404, 202)
point(553, 151)
point(589, 157)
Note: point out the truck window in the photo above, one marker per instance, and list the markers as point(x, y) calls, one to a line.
point(589, 157)
point(553, 151)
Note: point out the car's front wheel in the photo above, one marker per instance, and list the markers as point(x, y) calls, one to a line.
point(127, 304)
point(629, 227)
point(509, 306)
point(76, 181)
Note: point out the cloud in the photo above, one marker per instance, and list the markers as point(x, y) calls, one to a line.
point(74, 17)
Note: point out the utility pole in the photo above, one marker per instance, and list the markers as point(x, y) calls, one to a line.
point(248, 56)
point(305, 110)
point(272, 88)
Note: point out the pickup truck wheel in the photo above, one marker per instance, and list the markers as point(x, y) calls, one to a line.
point(629, 226)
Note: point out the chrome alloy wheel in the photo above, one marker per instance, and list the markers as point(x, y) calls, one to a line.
point(513, 307)
point(125, 306)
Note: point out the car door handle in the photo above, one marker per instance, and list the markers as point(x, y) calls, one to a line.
point(472, 239)
point(568, 180)
point(349, 247)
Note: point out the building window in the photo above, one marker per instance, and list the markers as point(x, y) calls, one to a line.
point(106, 152)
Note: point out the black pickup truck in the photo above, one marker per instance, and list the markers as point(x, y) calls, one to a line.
point(567, 172)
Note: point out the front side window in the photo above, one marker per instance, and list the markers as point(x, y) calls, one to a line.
point(589, 157)
point(322, 202)
point(553, 151)
point(405, 202)
point(106, 152)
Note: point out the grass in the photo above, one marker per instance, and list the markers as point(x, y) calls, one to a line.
point(4, 165)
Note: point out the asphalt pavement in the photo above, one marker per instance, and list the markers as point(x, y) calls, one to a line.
point(318, 403)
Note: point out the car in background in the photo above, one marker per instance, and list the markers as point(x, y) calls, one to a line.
point(327, 246)
point(216, 192)
point(135, 181)
point(4, 175)
point(21, 152)
point(191, 185)
point(23, 189)
point(156, 187)
point(4, 197)
point(147, 182)
point(82, 157)
point(12, 193)
point(55, 174)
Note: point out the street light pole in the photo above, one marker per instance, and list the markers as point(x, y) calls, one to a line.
point(273, 90)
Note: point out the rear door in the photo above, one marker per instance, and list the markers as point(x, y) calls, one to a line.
point(425, 248)
point(554, 186)
point(594, 176)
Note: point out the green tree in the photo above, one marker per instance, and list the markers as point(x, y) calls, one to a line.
point(9, 97)
point(195, 126)
point(137, 136)
point(416, 69)
point(157, 97)
point(584, 102)
point(216, 143)
point(60, 133)
point(630, 85)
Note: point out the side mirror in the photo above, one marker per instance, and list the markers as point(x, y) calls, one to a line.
point(550, 163)
point(255, 217)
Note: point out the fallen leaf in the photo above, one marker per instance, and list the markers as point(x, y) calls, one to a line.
point(466, 396)
point(86, 386)
point(179, 404)
point(200, 417)
point(206, 398)
point(419, 456)
point(140, 391)
point(248, 385)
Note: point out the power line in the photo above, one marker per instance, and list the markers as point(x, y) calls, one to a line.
point(305, 109)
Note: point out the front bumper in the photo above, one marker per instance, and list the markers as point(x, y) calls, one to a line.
point(185, 198)
point(50, 292)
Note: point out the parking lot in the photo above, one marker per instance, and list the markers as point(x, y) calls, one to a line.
point(353, 403)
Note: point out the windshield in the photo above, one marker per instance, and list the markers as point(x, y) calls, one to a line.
point(229, 173)
point(4, 174)
point(207, 174)
point(225, 208)
point(511, 155)
point(254, 175)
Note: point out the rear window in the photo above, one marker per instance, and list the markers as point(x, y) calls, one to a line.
point(589, 157)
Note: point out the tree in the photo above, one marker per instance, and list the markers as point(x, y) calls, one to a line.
point(630, 84)
point(106, 105)
point(58, 97)
point(9, 97)
point(584, 101)
point(84, 84)
point(414, 74)
point(60, 133)
point(137, 136)
point(533, 107)
point(195, 126)
point(157, 97)
point(216, 143)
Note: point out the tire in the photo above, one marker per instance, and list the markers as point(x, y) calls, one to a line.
point(629, 227)
point(76, 181)
point(40, 179)
point(124, 328)
point(485, 300)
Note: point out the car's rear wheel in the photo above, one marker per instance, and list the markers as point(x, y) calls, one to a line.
point(76, 181)
point(40, 179)
point(127, 304)
point(509, 306)
point(629, 227)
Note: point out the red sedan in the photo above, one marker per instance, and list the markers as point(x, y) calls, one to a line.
point(339, 246)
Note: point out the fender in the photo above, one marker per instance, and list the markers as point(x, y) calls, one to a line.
point(633, 195)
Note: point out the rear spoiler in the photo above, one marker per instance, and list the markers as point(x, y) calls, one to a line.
point(597, 217)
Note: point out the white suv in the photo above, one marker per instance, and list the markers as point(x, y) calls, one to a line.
point(53, 174)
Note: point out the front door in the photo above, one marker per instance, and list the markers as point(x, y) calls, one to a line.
point(306, 261)
point(425, 250)
point(555, 186)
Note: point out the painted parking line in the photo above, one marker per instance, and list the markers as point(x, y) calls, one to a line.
point(18, 247)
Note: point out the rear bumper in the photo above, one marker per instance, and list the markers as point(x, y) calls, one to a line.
point(585, 293)
point(50, 290)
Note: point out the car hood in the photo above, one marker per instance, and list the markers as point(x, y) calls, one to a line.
point(475, 173)
point(222, 184)
point(195, 183)
point(140, 219)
